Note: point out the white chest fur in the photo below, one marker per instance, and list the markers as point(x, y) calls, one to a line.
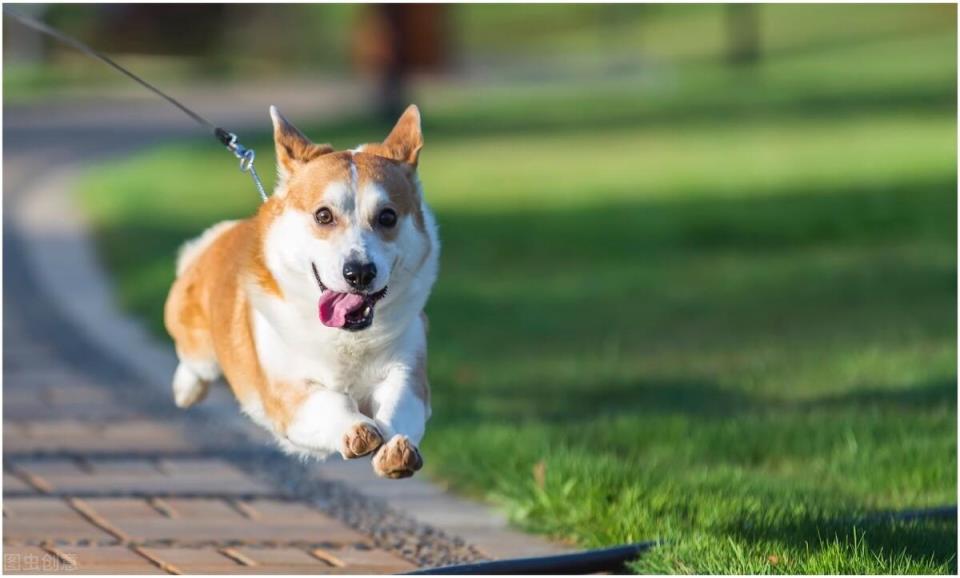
point(294, 347)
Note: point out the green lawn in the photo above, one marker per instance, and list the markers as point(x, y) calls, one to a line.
point(717, 308)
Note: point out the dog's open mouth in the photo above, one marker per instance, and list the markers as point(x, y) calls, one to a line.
point(350, 311)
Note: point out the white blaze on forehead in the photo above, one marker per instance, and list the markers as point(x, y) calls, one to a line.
point(353, 172)
point(339, 196)
point(372, 197)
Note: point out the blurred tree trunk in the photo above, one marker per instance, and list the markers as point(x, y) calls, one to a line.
point(397, 40)
point(743, 34)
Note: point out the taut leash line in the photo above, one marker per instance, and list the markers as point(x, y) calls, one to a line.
point(226, 138)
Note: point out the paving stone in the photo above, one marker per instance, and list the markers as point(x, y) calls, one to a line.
point(31, 560)
point(122, 508)
point(15, 433)
point(42, 395)
point(141, 435)
point(84, 401)
point(365, 559)
point(195, 509)
point(74, 392)
point(215, 475)
point(24, 354)
point(206, 560)
point(23, 403)
point(268, 558)
point(198, 520)
point(34, 506)
point(86, 436)
point(143, 476)
point(135, 468)
point(251, 560)
point(12, 483)
point(35, 519)
point(297, 516)
point(106, 559)
point(40, 376)
point(43, 400)
point(52, 469)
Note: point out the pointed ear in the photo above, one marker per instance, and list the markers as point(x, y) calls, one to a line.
point(293, 148)
point(405, 140)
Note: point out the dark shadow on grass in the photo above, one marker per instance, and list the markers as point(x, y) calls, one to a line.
point(930, 395)
point(920, 538)
point(702, 399)
point(791, 218)
point(738, 100)
point(598, 399)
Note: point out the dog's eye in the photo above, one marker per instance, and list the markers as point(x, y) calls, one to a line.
point(387, 218)
point(323, 216)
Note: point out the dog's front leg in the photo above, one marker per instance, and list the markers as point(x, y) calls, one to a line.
point(326, 421)
point(401, 406)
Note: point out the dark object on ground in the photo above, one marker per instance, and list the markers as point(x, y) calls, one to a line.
point(587, 562)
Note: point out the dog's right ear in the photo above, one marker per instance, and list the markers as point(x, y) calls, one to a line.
point(293, 148)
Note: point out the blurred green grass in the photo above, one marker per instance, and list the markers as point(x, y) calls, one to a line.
point(715, 307)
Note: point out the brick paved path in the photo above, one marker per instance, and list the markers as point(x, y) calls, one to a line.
point(103, 475)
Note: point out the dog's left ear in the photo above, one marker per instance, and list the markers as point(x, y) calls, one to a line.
point(293, 148)
point(405, 140)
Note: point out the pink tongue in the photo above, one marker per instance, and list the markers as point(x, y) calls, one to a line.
point(334, 307)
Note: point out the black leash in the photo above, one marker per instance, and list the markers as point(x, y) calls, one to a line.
point(587, 562)
point(226, 138)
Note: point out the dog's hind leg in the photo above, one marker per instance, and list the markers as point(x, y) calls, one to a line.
point(191, 381)
point(187, 321)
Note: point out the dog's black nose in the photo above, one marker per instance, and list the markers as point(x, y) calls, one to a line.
point(359, 275)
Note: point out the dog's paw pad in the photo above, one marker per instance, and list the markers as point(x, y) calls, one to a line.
point(398, 458)
point(360, 440)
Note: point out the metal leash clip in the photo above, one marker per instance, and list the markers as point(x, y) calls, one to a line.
point(246, 156)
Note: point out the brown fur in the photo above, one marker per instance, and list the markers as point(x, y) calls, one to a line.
point(207, 313)
point(397, 181)
point(404, 142)
point(293, 148)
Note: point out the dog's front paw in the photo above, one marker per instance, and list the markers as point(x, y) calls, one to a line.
point(360, 440)
point(396, 459)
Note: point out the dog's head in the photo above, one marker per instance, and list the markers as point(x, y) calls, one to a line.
point(346, 229)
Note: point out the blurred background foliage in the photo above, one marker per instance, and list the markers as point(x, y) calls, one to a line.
point(526, 44)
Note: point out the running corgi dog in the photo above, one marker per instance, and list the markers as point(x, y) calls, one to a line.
point(313, 308)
